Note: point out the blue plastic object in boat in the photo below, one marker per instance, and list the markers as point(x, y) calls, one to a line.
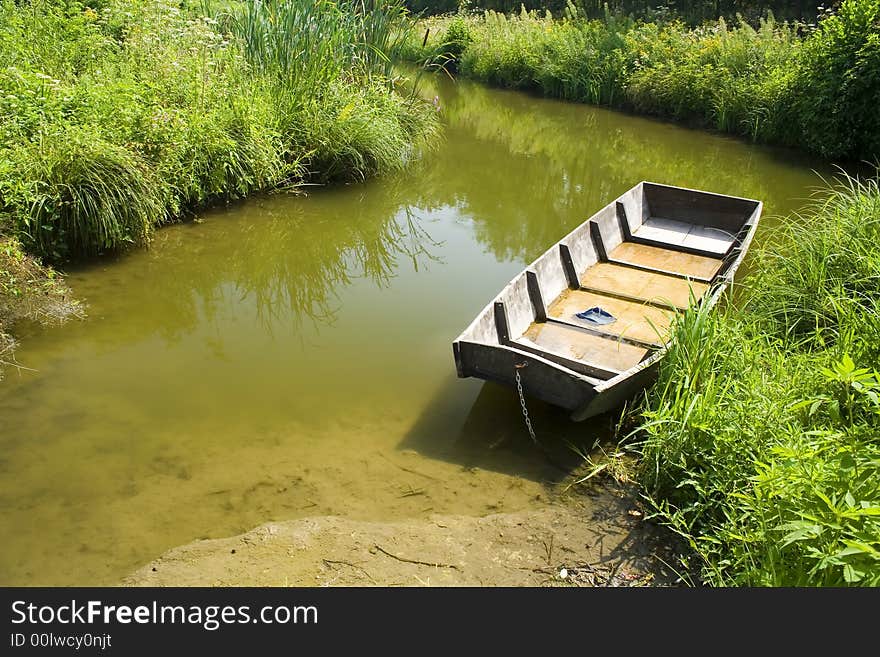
point(597, 316)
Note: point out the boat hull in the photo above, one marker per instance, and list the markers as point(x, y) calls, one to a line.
point(648, 255)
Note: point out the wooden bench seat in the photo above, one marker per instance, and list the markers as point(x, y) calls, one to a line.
point(679, 233)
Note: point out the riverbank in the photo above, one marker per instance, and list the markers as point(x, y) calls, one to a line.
point(759, 442)
point(118, 116)
point(812, 88)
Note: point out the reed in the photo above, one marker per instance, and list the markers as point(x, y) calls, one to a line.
point(310, 43)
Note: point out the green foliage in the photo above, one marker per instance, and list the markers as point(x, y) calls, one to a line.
point(840, 68)
point(118, 115)
point(457, 37)
point(759, 441)
point(712, 75)
point(766, 81)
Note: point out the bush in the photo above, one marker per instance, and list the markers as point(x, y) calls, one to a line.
point(836, 92)
point(456, 39)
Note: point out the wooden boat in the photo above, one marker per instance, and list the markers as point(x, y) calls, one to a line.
point(649, 254)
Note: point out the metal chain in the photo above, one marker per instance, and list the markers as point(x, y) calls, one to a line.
point(522, 401)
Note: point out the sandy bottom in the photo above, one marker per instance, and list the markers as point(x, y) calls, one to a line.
point(598, 538)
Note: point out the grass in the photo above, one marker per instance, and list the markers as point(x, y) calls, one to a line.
point(759, 443)
point(138, 113)
point(117, 116)
point(766, 81)
point(29, 292)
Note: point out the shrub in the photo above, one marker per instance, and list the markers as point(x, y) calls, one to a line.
point(836, 92)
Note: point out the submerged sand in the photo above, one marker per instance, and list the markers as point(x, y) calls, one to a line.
point(597, 539)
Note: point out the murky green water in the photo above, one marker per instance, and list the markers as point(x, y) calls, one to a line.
point(290, 356)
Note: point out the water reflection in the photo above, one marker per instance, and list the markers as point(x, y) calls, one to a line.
point(289, 264)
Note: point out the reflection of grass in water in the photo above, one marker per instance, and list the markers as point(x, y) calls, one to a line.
point(550, 165)
point(580, 140)
point(291, 262)
point(296, 274)
point(289, 257)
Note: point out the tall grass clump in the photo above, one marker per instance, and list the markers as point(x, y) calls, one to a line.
point(759, 442)
point(82, 194)
point(824, 289)
point(329, 64)
point(119, 115)
point(813, 87)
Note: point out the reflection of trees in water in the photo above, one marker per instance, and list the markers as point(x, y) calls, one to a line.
point(288, 256)
point(545, 166)
point(294, 267)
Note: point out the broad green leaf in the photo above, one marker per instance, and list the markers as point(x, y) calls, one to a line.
point(851, 575)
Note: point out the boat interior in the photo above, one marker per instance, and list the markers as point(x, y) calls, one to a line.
point(643, 258)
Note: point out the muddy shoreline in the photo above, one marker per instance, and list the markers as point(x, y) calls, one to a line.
point(593, 538)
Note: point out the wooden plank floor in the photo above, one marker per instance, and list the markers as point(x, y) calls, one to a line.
point(641, 285)
point(574, 344)
point(637, 321)
point(676, 262)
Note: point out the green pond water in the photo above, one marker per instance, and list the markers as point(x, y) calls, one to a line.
point(290, 356)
